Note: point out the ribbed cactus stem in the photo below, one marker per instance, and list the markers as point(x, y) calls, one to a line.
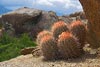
point(58, 28)
point(78, 29)
point(49, 48)
point(41, 35)
point(68, 46)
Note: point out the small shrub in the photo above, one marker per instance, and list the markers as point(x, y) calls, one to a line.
point(10, 46)
point(5, 39)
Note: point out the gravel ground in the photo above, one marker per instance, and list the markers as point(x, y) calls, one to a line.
point(29, 61)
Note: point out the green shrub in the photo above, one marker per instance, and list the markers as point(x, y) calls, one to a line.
point(10, 46)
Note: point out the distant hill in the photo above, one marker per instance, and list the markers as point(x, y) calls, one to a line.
point(4, 10)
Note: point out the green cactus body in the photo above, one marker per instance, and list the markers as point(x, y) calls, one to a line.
point(49, 48)
point(58, 28)
point(79, 31)
point(41, 35)
point(68, 46)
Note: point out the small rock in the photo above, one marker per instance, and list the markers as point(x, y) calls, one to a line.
point(36, 52)
point(27, 50)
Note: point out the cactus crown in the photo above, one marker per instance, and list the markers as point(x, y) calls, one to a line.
point(46, 38)
point(65, 35)
point(43, 33)
point(77, 23)
point(78, 29)
point(58, 28)
point(49, 47)
point(58, 24)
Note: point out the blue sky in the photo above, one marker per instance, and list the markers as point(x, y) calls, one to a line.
point(59, 6)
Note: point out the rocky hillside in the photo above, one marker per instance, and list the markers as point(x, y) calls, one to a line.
point(32, 21)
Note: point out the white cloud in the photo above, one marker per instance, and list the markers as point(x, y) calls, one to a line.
point(44, 2)
point(58, 3)
point(60, 6)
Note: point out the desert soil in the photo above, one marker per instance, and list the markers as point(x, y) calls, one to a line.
point(29, 61)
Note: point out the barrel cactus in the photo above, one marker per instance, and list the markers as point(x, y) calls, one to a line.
point(78, 29)
point(49, 48)
point(68, 46)
point(58, 28)
point(41, 35)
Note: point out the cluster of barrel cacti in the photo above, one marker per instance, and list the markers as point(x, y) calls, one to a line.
point(63, 41)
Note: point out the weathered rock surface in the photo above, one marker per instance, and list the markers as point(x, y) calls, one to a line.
point(27, 19)
point(44, 22)
point(92, 11)
point(66, 19)
point(73, 17)
point(37, 52)
point(22, 20)
point(78, 14)
point(30, 61)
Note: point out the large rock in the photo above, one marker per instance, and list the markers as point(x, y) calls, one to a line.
point(29, 20)
point(92, 11)
point(66, 19)
point(78, 14)
point(45, 21)
point(73, 17)
point(22, 19)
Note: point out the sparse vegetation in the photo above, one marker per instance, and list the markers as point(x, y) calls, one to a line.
point(10, 46)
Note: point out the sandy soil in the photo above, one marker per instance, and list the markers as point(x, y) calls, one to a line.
point(29, 61)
